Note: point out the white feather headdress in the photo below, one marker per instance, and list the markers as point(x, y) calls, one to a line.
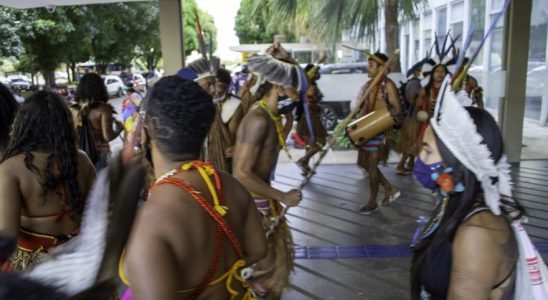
point(456, 129)
point(276, 71)
point(205, 68)
point(444, 55)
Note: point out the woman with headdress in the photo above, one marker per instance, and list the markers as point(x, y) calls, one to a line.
point(93, 110)
point(472, 246)
point(44, 180)
point(434, 70)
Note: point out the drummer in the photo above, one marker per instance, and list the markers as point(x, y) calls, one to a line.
point(370, 154)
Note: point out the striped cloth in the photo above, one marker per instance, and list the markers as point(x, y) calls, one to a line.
point(374, 144)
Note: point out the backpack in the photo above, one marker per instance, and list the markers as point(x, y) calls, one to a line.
point(86, 141)
point(405, 105)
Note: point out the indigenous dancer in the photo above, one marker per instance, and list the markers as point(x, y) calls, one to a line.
point(92, 107)
point(313, 96)
point(198, 227)
point(259, 139)
point(222, 136)
point(203, 72)
point(473, 246)
point(44, 180)
point(377, 149)
point(434, 70)
point(408, 140)
point(471, 87)
point(8, 108)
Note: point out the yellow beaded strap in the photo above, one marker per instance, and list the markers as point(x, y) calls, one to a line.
point(206, 170)
point(279, 127)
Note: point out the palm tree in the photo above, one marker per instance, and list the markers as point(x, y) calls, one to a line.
point(327, 19)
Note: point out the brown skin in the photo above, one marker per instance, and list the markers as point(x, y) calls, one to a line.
point(484, 250)
point(172, 241)
point(407, 162)
point(375, 175)
point(208, 84)
point(20, 193)
point(101, 121)
point(231, 128)
point(257, 149)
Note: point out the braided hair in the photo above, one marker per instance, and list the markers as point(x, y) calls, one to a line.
point(44, 123)
point(8, 108)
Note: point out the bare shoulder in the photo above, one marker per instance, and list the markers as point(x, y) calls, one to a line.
point(254, 124)
point(11, 164)
point(484, 228)
point(83, 159)
point(235, 187)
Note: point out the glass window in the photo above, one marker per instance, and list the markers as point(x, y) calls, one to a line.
point(457, 30)
point(457, 12)
point(496, 4)
point(407, 48)
point(441, 21)
point(427, 40)
point(478, 23)
point(427, 20)
point(417, 51)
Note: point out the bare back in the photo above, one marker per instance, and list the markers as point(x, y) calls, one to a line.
point(22, 202)
point(173, 240)
point(257, 143)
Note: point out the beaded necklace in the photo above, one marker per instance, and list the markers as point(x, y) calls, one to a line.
point(279, 127)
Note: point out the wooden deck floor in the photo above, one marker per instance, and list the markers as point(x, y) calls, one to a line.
point(328, 217)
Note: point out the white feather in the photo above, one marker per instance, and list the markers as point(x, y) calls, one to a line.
point(456, 129)
point(73, 267)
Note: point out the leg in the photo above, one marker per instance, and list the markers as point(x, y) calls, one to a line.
point(390, 193)
point(411, 163)
point(400, 169)
point(372, 161)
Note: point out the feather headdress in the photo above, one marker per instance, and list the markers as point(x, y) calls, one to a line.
point(277, 71)
point(456, 129)
point(445, 55)
point(203, 68)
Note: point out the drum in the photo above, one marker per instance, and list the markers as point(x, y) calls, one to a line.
point(369, 126)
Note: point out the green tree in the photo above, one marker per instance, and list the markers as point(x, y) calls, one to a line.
point(43, 36)
point(327, 19)
point(10, 43)
point(258, 22)
point(189, 28)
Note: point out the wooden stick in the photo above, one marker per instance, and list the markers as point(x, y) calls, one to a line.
point(348, 119)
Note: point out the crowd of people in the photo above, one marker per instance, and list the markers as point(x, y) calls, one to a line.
point(208, 210)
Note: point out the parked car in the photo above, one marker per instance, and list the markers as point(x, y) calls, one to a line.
point(151, 78)
point(340, 84)
point(115, 86)
point(19, 84)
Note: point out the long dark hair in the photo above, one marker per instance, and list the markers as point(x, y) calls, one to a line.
point(44, 123)
point(430, 84)
point(91, 88)
point(8, 108)
point(461, 204)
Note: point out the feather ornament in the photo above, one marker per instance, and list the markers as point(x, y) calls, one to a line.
point(276, 71)
point(456, 129)
point(73, 266)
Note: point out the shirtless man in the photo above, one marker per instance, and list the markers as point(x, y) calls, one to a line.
point(377, 149)
point(222, 136)
point(92, 98)
point(44, 181)
point(185, 220)
point(257, 147)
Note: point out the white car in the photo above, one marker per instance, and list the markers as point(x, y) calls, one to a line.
point(19, 84)
point(115, 86)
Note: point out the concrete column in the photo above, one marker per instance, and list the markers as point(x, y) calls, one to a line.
point(517, 32)
point(544, 103)
point(171, 35)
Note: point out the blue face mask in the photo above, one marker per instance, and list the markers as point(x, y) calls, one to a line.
point(423, 173)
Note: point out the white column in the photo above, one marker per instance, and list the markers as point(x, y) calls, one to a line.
point(171, 35)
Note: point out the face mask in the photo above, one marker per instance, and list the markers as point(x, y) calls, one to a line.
point(285, 105)
point(219, 99)
point(423, 173)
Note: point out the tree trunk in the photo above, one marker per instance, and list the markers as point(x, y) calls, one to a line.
point(392, 32)
point(73, 71)
point(49, 77)
point(68, 72)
